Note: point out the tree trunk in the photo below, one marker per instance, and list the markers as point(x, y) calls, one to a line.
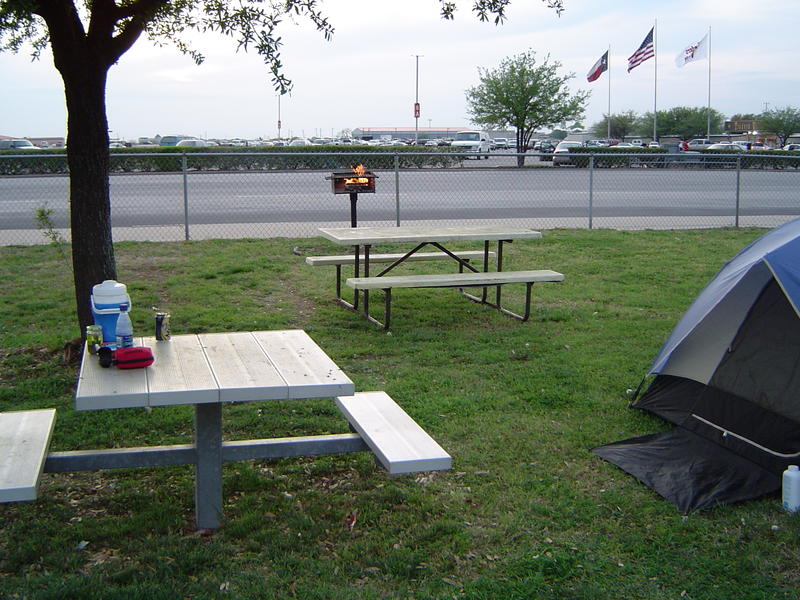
point(89, 161)
point(522, 147)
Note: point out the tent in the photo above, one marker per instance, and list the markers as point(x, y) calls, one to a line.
point(728, 378)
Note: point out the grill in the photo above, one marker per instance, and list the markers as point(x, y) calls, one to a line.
point(353, 182)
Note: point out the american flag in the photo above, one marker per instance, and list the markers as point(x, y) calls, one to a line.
point(644, 52)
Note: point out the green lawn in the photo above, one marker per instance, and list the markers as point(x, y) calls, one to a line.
point(526, 512)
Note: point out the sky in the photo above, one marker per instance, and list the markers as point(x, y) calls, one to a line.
point(367, 75)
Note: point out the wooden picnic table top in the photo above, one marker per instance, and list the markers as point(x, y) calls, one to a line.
point(351, 236)
point(215, 367)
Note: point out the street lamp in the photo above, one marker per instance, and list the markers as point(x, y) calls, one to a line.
point(279, 117)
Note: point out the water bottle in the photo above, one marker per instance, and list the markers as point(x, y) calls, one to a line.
point(791, 488)
point(124, 328)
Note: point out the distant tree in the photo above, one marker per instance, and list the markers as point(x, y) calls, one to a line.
point(88, 37)
point(682, 121)
point(783, 122)
point(622, 125)
point(526, 95)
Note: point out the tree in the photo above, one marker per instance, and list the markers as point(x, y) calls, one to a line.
point(783, 122)
point(526, 95)
point(622, 124)
point(682, 121)
point(87, 38)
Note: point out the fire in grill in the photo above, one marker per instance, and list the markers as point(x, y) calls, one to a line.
point(354, 182)
point(358, 180)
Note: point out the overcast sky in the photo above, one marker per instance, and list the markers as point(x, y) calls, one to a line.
point(365, 76)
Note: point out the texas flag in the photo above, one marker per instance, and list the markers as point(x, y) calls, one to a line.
point(693, 52)
point(599, 67)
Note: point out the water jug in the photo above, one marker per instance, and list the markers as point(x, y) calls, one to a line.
point(791, 488)
point(106, 299)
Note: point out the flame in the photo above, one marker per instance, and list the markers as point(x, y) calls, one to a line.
point(360, 180)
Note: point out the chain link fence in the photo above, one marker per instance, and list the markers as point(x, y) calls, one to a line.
point(201, 195)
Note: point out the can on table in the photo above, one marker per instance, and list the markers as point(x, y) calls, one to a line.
point(94, 337)
point(162, 326)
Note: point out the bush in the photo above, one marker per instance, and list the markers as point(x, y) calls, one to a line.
point(613, 157)
point(265, 158)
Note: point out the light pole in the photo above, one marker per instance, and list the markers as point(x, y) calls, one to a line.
point(279, 117)
point(416, 101)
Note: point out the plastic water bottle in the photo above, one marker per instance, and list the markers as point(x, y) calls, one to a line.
point(124, 328)
point(791, 488)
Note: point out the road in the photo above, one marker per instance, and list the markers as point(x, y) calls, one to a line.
point(144, 200)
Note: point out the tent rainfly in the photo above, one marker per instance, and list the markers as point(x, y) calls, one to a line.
point(728, 377)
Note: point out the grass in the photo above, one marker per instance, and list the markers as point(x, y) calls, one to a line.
point(527, 511)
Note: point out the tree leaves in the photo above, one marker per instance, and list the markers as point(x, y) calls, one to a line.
point(526, 94)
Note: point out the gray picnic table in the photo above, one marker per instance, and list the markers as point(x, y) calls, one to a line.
point(205, 371)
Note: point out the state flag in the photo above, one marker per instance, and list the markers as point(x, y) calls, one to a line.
point(693, 52)
point(599, 68)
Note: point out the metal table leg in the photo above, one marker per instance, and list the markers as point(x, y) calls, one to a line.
point(208, 469)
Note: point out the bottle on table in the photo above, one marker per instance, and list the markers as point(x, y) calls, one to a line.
point(124, 328)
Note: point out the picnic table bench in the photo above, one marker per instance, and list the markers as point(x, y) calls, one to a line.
point(456, 280)
point(24, 439)
point(206, 370)
point(394, 258)
point(362, 239)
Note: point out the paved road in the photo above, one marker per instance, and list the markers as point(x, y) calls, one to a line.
point(142, 200)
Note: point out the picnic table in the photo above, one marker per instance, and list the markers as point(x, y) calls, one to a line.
point(362, 239)
point(205, 371)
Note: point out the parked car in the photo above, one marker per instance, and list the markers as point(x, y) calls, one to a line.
point(476, 142)
point(501, 143)
point(545, 148)
point(654, 145)
point(725, 146)
point(19, 144)
point(792, 147)
point(561, 153)
point(171, 140)
point(699, 144)
point(192, 143)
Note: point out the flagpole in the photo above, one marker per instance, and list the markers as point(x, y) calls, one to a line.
point(708, 113)
point(655, 78)
point(608, 68)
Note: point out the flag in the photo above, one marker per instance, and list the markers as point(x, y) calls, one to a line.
point(644, 52)
point(599, 68)
point(693, 52)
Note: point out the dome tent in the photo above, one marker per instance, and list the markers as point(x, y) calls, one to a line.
point(728, 377)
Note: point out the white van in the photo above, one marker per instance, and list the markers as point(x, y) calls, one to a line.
point(473, 141)
point(192, 143)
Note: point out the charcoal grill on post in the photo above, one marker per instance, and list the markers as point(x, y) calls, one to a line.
point(354, 182)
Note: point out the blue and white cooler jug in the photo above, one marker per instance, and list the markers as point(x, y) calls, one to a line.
point(106, 299)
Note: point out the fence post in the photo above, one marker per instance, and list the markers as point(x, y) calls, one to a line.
point(185, 198)
point(738, 187)
point(397, 187)
point(591, 188)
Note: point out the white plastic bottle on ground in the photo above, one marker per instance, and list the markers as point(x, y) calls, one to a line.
point(124, 328)
point(791, 488)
